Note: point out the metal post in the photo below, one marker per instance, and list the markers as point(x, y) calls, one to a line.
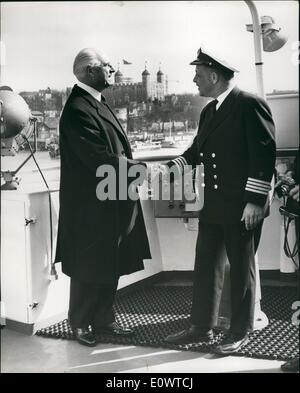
point(257, 48)
point(260, 318)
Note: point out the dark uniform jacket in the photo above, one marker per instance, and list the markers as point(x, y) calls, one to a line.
point(97, 240)
point(238, 150)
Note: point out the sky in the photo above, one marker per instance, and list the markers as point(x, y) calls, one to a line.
point(39, 40)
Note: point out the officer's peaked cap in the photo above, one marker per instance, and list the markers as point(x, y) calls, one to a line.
point(210, 60)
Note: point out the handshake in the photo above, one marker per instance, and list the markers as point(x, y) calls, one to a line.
point(176, 191)
point(155, 172)
point(180, 185)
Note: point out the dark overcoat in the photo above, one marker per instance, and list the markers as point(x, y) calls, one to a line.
point(97, 240)
point(237, 148)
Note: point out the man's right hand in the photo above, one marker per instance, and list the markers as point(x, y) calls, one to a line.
point(164, 169)
point(154, 171)
point(159, 169)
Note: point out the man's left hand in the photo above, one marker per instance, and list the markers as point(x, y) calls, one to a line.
point(294, 193)
point(252, 214)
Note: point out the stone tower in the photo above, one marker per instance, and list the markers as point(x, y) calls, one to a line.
point(146, 81)
point(118, 76)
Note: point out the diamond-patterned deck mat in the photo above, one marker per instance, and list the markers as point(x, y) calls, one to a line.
point(155, 312)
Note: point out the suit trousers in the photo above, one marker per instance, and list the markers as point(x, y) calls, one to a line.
point(91, 304)
point(213, 243)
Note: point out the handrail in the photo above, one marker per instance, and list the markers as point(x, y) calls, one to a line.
point(162, 157)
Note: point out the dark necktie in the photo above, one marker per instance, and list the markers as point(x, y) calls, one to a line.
point(210, 111)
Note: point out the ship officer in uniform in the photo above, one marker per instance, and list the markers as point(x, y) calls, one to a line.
point(235, 142)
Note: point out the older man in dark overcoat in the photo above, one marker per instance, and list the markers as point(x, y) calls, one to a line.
point(98, 240)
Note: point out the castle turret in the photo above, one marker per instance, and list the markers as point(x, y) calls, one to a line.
point(160, 76)
point(118, 76)
point(146, 81)
point(48, 93)
point(160, 84)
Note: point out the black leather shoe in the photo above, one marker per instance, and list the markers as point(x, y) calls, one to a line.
point(231, 344)
point(114, 329)
point(85, 337)
point(190, 335)
point(292, 366)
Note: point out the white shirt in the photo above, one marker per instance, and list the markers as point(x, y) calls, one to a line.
point(222, 96)
point(93, 92)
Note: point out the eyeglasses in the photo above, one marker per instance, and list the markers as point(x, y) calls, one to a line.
point(105, 65)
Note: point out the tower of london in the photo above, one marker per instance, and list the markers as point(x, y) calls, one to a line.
point(125, 90)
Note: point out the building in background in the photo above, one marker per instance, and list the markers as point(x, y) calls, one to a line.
point(145, 109)
point(125, 90)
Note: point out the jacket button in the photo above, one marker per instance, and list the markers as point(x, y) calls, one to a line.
point(215, 176)
point(201, 154)
point(215, 186)
point(213, 155)
point(214, 165)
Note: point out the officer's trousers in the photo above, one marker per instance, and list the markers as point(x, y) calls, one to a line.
point(213, 243)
